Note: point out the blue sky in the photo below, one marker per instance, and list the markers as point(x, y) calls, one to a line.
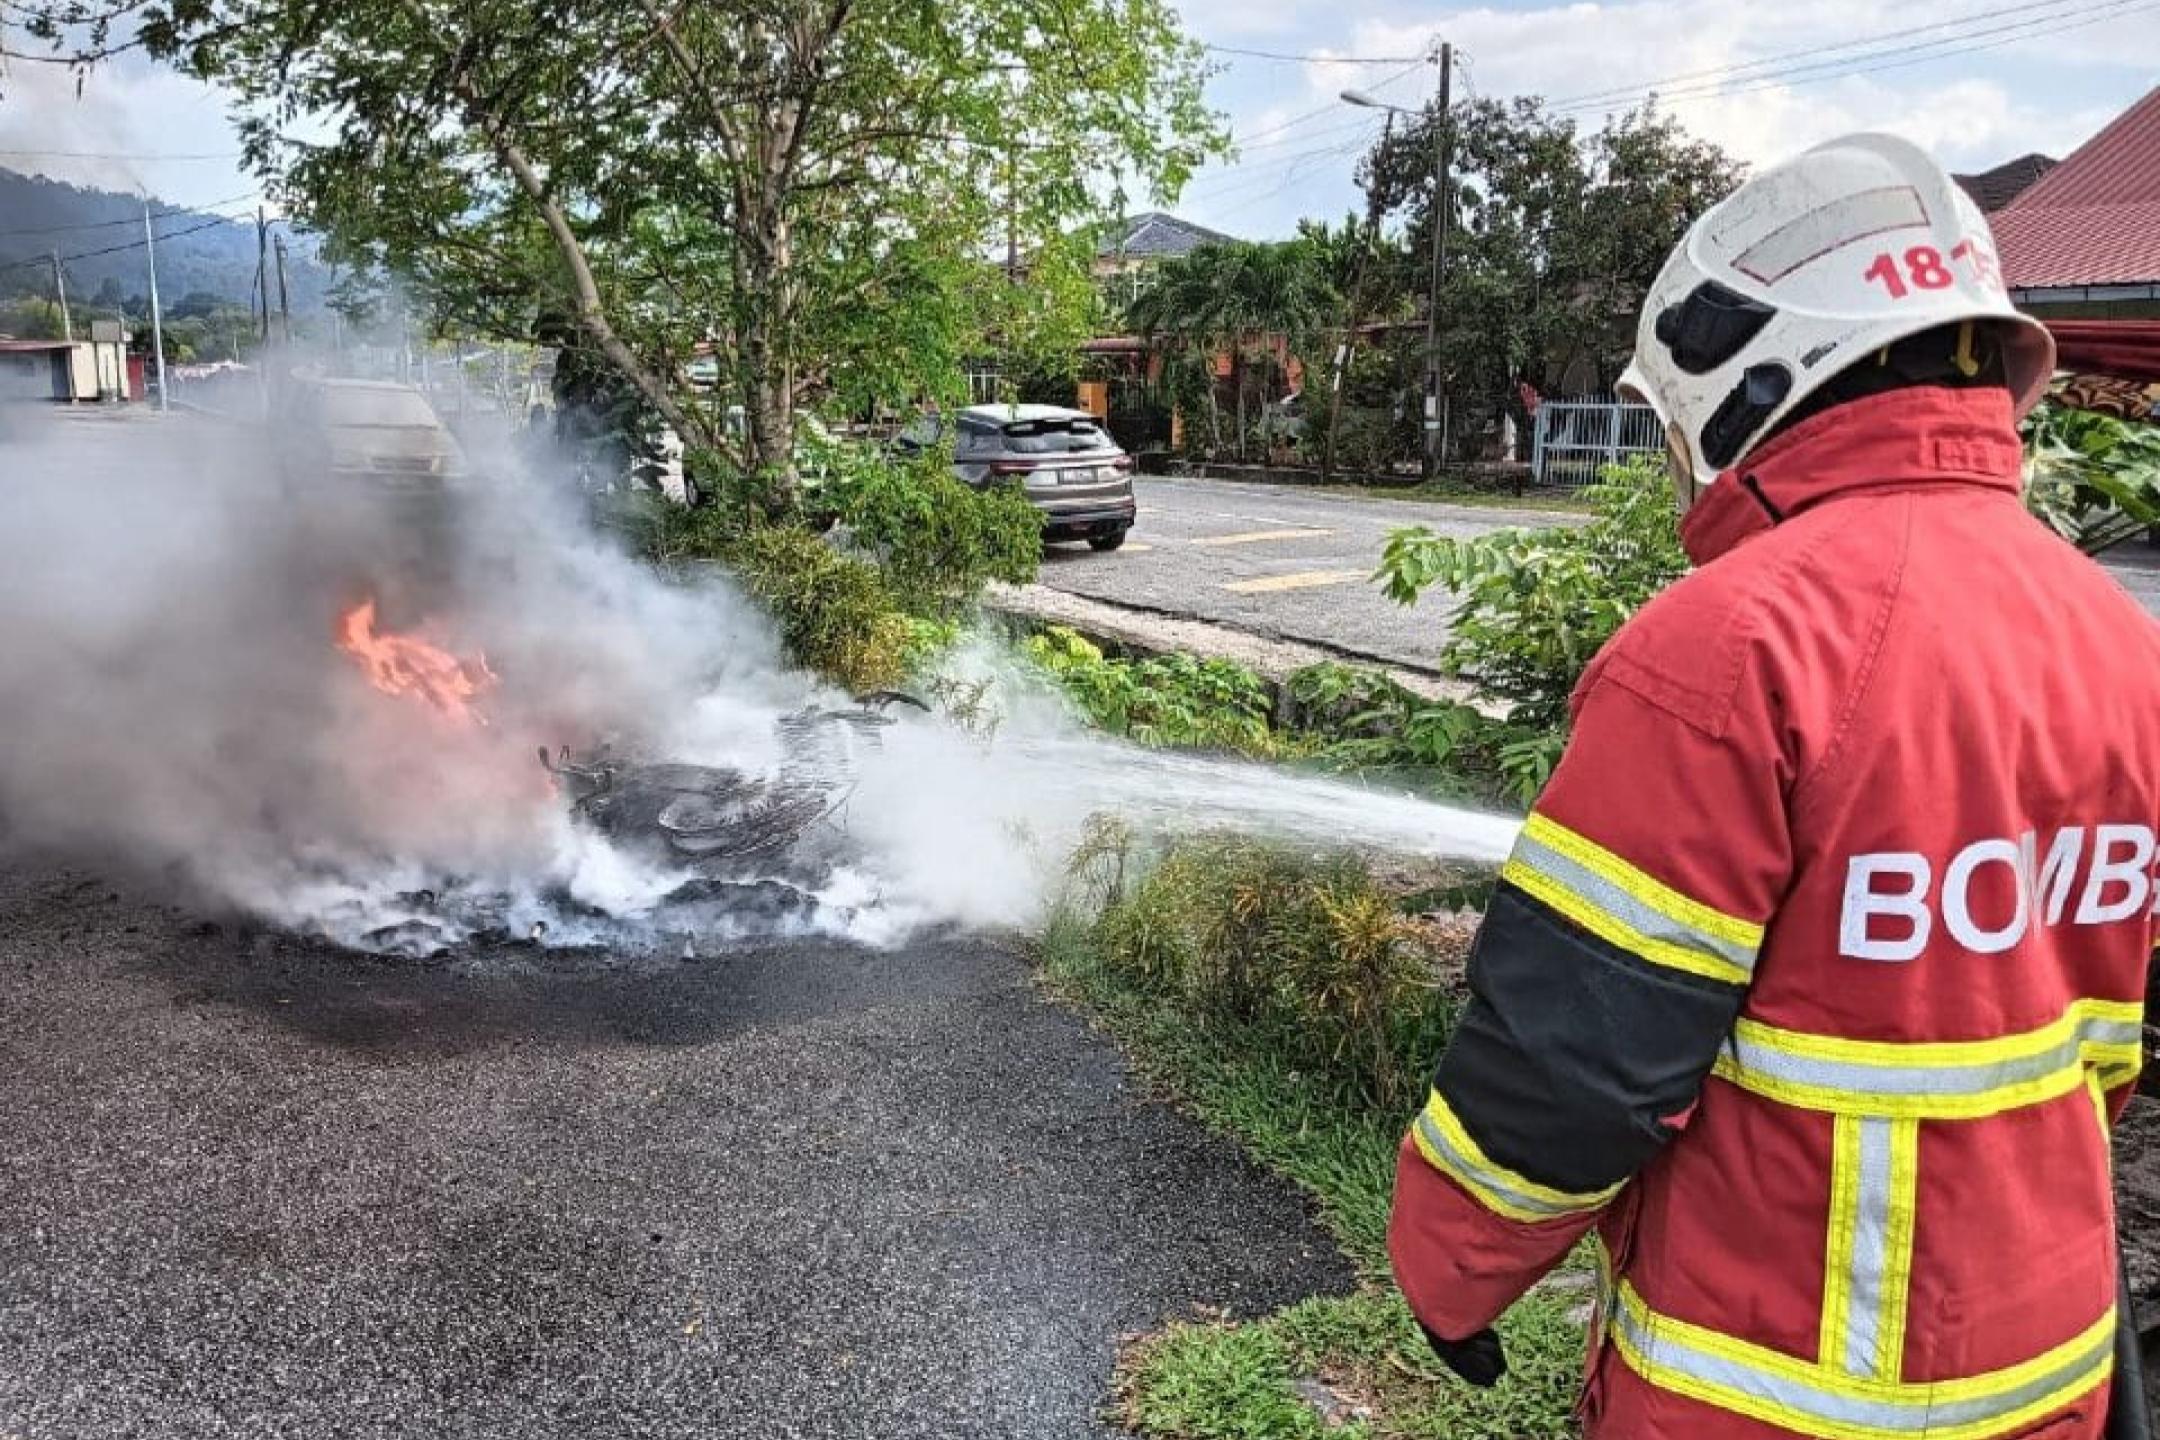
point(1992, 79)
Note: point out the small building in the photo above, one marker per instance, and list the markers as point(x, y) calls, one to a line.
point(93, 369)
point(2083, 243)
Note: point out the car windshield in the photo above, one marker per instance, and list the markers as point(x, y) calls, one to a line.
point(376, 409)
point(922, 433)
point(1056, 435)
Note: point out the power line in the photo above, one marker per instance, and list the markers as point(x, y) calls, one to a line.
point(1239, 177)
point(1332, 105)
point(118, 155)
point(1895, 57)
point(117, 249)
point(1716, 71)
point(1318, 59)
point(130, 220)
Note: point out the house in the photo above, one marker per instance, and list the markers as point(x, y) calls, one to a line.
point(1993, 189)
point(1131, 247)
point(1139, 241)
point(2083, 242)
point(93, 369)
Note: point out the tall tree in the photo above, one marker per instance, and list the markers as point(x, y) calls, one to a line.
point(810, 185)
point(1554, 237)
point(1238, 298)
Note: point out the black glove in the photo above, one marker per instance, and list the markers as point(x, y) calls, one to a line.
point(1477, 1359)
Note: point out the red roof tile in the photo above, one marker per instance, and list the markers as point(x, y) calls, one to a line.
point(2095, 218)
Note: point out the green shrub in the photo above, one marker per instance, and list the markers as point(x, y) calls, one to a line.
point(1168, 700)
point(1536, 605)
point(835, 612)
point(938, 539)
point(2093, 478)
point(1248, 933)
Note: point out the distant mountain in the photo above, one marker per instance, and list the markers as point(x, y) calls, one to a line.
point(98, 234)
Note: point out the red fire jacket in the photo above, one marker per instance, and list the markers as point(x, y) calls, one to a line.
point(1815, 980)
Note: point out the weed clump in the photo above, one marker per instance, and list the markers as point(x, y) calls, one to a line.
point(1307, 954)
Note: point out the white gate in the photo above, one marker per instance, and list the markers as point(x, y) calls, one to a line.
point(1576, 438)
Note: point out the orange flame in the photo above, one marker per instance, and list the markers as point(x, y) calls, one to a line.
point(408, 665)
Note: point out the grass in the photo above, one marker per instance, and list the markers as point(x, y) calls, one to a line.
point(1232, 1381)
point(1455, 492)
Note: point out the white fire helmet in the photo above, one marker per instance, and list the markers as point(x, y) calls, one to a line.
point(1799, 274)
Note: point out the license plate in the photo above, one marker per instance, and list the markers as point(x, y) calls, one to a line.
point(1080, 475)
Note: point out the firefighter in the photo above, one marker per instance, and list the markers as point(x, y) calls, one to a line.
point(1813, 985)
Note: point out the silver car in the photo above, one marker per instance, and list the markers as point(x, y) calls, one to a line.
point(1076, 475)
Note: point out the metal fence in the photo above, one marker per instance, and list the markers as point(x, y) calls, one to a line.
point(1575, 438)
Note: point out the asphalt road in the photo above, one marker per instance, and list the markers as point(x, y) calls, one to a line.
point(1294, 564)
point(1274, 560)
point(253, 1187)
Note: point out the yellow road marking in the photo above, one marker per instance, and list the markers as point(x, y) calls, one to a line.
point(1134, 548)
point(1254, 537)
point(1301, 580)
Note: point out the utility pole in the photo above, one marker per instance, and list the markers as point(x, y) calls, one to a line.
point(284, 305)
point(59, 280)
point(262, 269)
point(1435, 405)
point(1435, 402)
point(1355, 315)
point(157, 318)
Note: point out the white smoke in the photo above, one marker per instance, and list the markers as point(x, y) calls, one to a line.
point(171, 702)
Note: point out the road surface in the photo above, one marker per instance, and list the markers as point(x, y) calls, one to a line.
point(254, 1187)
point(1274, 561)
point(1292, 564)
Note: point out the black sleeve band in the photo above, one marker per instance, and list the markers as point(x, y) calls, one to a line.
point(1572, 1051)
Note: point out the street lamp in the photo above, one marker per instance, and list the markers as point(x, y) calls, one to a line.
point(1435, 425)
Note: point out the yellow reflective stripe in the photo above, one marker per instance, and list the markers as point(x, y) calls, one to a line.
point(1898, 1248)
point(1619, 903)
point(1867, 1264)
point(1448, 1148)
point(1818, 1400)
point(1935, 1080)
point(1837, 1261)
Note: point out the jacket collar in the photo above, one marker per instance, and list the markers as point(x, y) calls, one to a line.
point(1928, 435)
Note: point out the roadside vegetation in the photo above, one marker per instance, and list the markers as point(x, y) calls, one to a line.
point(1296, 1002)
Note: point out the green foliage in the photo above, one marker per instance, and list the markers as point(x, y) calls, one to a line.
point(1535, 605)
point(1554, 239)
point(810, 190)
point(1249, 933)
point(2093, 478)
point(938, 539)
point(1236, 298)
point(1234, 1382)
point(835, 613)
point(1305, 1111)
point(1172, 700)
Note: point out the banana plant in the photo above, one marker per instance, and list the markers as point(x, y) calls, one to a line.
point(2093, 478)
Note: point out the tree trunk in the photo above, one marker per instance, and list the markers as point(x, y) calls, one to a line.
point(1238, 378)
point(591, 310)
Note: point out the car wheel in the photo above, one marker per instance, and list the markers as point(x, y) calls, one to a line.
point(1110, 541)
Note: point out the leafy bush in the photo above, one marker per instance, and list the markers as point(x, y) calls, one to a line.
point(1537, 604)
point(836, 613)
point(2093, 478)
point(1249, 933)
point(1535, 607)
point(1171, 700)
point(938, 539)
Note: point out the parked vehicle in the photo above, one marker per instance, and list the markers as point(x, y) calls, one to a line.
point(372, 431)
point(1076, 475)
point(371, 464)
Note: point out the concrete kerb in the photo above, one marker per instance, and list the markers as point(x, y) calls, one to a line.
point(1138, 632)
